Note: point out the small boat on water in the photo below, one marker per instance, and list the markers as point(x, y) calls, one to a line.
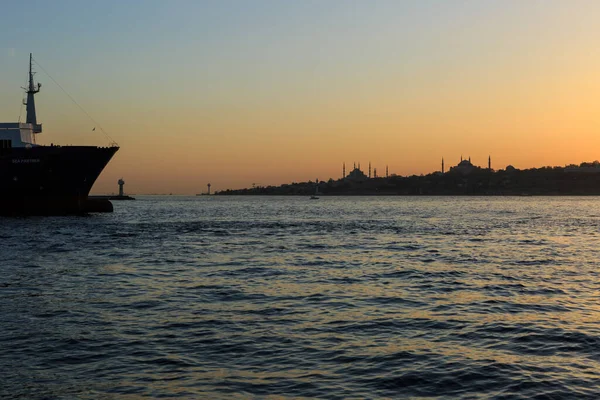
point(314, 196)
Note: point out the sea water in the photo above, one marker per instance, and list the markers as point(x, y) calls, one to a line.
point(341, 297)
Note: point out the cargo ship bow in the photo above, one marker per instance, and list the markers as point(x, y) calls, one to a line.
point(45, 180)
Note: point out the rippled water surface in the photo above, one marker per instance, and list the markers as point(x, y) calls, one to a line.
point(346, 297)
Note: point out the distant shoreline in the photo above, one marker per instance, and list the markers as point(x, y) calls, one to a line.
point(463, 180)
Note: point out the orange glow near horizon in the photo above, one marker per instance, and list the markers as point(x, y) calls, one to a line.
point(273, 103)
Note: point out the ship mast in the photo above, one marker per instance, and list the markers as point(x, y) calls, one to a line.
point(32, 89)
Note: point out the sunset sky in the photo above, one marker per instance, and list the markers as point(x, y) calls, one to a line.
point(270, 92)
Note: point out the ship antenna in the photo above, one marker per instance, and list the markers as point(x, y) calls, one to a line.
point(32, 89)
point(31, 85)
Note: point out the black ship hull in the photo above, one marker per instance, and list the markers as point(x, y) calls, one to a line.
point(49, 180)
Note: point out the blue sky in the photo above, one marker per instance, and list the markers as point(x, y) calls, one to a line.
point(239, 82)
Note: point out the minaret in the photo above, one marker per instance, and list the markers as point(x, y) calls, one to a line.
point(31, 90)
point(343, 170)
point(443, 165)
point(354, 164)
point(208, 192)
point(489, 162)
point(386, 172)
point(375, 172)
point(359, 165)
point(369, 169)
